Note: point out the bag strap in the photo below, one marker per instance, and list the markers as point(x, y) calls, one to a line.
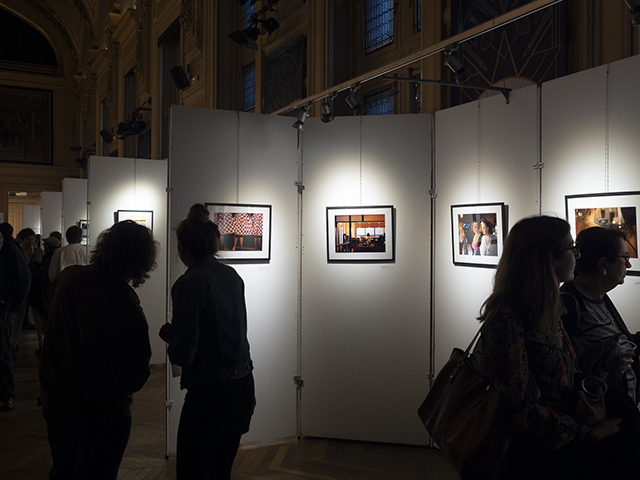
point(465, 356)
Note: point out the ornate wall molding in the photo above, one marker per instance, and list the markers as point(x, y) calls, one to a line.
point(51, 16)
point(138, 66)
point(186, 15)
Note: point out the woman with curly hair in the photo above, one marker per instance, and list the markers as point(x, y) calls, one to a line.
point(208, 339)
point(96, 354)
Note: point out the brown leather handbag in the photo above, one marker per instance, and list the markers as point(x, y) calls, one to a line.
point(467, 418)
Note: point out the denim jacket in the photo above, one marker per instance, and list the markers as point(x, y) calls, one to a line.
point(209, 326)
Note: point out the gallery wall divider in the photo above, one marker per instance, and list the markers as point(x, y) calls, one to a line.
point(360, 337)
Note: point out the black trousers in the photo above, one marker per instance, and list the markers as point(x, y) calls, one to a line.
point(87, 447)
point(212, 421)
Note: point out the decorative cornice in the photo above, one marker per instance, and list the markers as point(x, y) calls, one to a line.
point(138, 65)
point(186, 15)
point(85, 16)
point(51, 16)
point(111, 51)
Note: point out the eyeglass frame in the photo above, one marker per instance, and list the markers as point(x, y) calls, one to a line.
point(627, 257)
point(575, 246)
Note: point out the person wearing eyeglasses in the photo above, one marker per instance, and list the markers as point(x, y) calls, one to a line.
point(604, 345)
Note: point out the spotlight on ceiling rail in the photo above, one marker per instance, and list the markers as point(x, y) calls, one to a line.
point(353, 102)
point(461, 74)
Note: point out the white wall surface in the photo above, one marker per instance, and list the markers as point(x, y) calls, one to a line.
point(51, 213)
point(74, 203)
point(365, 327)
point(207, 167)
point(32, 218)
point(134, 184)
point(485, 153)
point(575, 141)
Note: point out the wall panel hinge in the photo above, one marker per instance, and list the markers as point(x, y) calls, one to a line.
point(169, 189)
point(168, 403)
point(300, 186)
point(433, 194)
point(298, 381)
point(538, 166)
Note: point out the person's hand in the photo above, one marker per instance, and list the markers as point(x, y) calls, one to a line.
point(165, 332)
point(589, 413)
point(626, 359)
point(606, 429)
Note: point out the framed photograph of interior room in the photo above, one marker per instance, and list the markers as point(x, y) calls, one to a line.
point(361, 234)
point(618, 211)
point(478, 231)
point(245, 230)
point(141, 217)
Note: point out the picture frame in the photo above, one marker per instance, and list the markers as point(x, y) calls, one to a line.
point(471, 246)
point(361, 234)
point(245, 230)
point(616, 210)
point(84, 226)
point(141, 217)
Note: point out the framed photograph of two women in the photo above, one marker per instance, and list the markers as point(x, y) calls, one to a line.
point(478, 231)
point(360, 234)
point(618, 211)
point(245, 231)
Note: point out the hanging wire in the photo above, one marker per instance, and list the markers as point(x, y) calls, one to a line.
point(478, 179)
point(238, 162)
point(606, 132)
point(361, 161)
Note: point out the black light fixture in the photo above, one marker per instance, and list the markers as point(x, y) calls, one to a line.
point(246, 38)
point(353, 103)
point(302, 116)
point(634, 6)
point(461, 74)
point(134, 125)
point(249, 36)
point(180, 77)
point(106, 136)
point(327, 109)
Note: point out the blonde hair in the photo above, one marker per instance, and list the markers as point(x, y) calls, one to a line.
point(525, 280)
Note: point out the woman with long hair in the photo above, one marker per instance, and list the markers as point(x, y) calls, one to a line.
point(208, 339)
point(527, 356)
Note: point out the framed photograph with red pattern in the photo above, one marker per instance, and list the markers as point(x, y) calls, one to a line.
point(245, 231)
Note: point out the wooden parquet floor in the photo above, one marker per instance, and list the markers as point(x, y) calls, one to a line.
point(25, 454)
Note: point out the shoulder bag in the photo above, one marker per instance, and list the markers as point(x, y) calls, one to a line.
point(467, 418)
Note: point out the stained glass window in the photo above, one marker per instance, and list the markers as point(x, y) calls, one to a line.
point(247, 10)
point(249, 87)
point(378, 24)
point(379, 102)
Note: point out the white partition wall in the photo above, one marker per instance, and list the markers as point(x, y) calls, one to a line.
point(74, 203)
point(226, 157)
point(485, 153)
point(51, 213)
point(134, 185)
point(365, 326)
point(591, 146)
point(32, 218)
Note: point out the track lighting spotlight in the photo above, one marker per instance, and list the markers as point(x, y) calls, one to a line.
point(634, 6)
point(353, 103)
point(327, 109)
point(106, 136)
point(302, 115)
point(460, 73)
point(246, 38)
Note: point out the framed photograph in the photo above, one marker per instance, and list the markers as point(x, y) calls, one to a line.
point(84, 225)
point(478, 231)
point(245, 230)
point(361, 234)
point(141, 217)
point(609, 210)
